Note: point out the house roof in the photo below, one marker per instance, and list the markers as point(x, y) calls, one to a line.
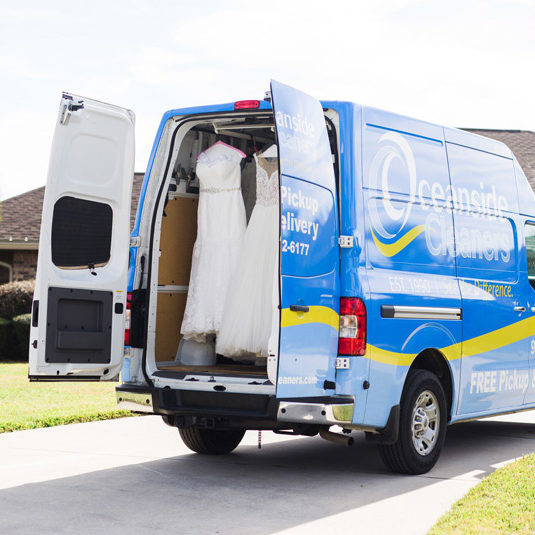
point(20, 216)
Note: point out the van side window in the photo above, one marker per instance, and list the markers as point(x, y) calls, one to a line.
point(81, 233)
point(530, 252)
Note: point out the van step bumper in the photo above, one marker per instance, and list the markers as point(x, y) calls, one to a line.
point(135, 400)
point(316, 411)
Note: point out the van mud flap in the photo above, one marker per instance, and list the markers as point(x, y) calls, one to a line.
point(389, 434)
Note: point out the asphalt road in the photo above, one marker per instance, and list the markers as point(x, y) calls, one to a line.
point(135, 476)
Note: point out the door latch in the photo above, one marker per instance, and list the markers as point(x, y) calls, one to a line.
point(299, 308)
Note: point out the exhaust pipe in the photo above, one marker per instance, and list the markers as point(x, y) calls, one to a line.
point(336, 438)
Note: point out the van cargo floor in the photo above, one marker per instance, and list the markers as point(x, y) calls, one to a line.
point(231, 369)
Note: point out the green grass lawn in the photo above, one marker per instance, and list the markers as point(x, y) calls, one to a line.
point(25, 405)
point(504, 502)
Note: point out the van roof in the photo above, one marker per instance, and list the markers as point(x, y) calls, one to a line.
point(476, 139)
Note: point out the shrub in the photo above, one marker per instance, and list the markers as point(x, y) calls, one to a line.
point(6, 337)
point(16, 298)
point(21, 332)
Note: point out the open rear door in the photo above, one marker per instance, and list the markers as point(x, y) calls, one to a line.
point(309, 255)
point(77, 330)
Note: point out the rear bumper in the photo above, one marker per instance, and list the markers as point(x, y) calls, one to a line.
point(250, 407)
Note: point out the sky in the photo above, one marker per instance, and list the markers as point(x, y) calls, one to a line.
point(468, 63)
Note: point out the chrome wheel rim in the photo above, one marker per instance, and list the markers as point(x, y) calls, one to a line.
point(425, 424)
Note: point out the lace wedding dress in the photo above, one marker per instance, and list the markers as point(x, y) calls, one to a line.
point(248, 308)
point(220, 231)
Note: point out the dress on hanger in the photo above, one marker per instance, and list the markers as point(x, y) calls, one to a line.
point(220, 231)
point(246, 324)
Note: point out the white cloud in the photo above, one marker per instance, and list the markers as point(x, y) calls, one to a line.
point(25, 138)
point(456, 62)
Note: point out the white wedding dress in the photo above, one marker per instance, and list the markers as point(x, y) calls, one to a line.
point(220, 232)
point(248, 308)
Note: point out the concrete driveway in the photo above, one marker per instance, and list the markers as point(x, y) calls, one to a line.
point(135, 476)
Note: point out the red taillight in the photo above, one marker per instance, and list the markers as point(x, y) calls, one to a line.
point(246, 104)
point(352, 335)
point(127, 319)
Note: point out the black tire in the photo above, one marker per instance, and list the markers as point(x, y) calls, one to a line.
point(211, 441)
point(403, 456)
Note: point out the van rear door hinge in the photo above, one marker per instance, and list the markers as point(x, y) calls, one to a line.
point(69, 108)
point(345, 242)
point(342, 363)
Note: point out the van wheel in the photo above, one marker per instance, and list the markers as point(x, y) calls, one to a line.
point(422, 426)
point(211, 441)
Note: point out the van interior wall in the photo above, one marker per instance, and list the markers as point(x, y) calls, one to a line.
point(179, 231)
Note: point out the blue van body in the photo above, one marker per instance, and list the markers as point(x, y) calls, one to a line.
point(405, 292)
point(437, 216)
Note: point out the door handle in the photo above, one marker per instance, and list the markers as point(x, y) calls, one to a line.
point(299, 308)
point(520, 309)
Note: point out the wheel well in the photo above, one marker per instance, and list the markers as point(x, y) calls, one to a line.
point(432, 360)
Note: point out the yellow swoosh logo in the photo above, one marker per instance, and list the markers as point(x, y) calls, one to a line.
point(474, 346)
point(391, 249)
point(406, 359)
point(499, 338)
point(315, 314)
